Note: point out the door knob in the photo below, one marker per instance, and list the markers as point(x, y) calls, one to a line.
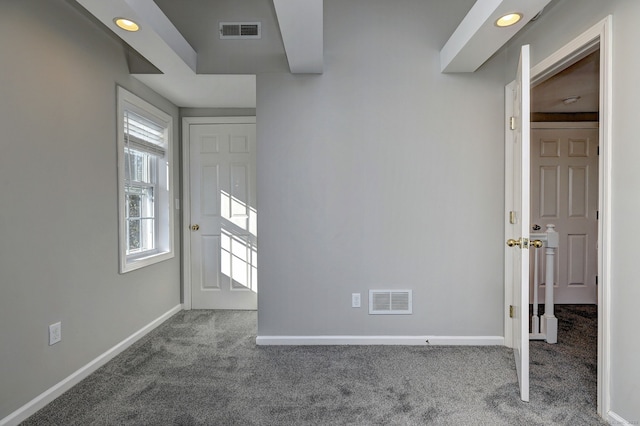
point(195, 227)
point(524, 243)
point(520, 243)
point(512, 243)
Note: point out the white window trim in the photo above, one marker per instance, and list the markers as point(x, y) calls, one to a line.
point(165, 220)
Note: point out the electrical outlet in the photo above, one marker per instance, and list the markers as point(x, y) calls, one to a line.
point(355, 300)
point(55, 333)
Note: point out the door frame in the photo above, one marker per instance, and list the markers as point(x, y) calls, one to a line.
point(598, 36)
point(186, 194)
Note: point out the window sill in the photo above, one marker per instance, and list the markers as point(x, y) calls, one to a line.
point(131, 264)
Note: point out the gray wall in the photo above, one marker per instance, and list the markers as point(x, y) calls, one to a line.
point(384, 173)
point(381, 173)
point(563, 22)
point(58, 198)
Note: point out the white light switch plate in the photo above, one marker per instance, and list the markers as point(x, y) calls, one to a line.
point(355, 300)
point(55, 333)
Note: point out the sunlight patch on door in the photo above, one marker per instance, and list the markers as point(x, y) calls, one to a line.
point(238, 245)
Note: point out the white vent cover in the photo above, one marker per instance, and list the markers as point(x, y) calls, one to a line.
point(390, 302)
point(240, 30)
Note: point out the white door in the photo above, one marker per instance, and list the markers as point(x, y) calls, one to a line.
point(517, 228)
point(223, 216)
point(564, 192)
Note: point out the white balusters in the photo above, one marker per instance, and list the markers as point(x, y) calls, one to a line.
point(547, 329)
point(549, 320)
point(535, 320)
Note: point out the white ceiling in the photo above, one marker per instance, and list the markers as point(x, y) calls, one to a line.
point(580, 79)
point(180, 39)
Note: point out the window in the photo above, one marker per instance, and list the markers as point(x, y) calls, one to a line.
point(144, 183)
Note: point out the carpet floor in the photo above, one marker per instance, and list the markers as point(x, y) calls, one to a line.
point(204, 368)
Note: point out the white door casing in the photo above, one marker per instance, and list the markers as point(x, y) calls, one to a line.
point(222, 215)
point(564, 192)
point(517, 218)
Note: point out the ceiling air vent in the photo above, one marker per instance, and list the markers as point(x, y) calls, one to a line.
point(240, 30)
point(390, 302)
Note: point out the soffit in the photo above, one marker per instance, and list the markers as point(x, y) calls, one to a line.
point(180, 38)
point(477, 37)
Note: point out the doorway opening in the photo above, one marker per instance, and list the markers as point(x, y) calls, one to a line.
point(590, 50)
point(564, 193)
point(564, 176)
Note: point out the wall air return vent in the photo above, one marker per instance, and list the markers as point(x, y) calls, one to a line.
point(240, 30)
point(390, 302)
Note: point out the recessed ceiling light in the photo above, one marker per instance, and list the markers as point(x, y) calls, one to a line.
point(571, 100)
point(126, 24)
point(509, 19)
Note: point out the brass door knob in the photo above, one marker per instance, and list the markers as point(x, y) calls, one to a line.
point(512, 243)
point(536, 243)
point(195, 227)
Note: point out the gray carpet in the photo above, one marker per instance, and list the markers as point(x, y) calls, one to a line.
point(203, 368)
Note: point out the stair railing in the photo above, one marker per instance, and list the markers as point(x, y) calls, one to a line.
point(545, 328)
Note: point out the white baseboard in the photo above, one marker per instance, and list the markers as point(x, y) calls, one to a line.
point(382, 340)
point(55, 391)
point(614, 419)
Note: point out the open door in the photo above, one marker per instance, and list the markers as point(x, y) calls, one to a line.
point(517, 228)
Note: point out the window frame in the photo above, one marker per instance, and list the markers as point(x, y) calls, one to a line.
point(152, 162)
point(163, 232)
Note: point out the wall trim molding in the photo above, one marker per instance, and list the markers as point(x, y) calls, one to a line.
point(615, 419)
point(566, 125)
point(382, 340)
point(64, 385)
